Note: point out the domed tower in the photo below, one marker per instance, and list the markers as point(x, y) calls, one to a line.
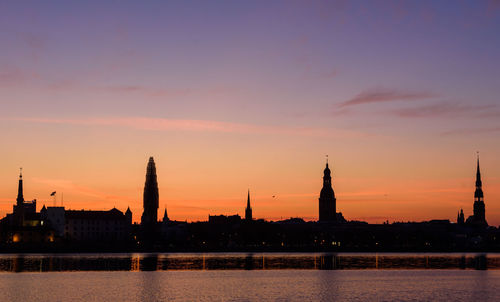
point(149, 217)
point(327, 201)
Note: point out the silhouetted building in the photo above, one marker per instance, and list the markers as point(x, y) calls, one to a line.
point(128, 214)
point(461, 217)
point(165, 216)
point(110, 225)
point(149, 217)
point(479, 217)
point(54, 217)
point(24, 224)
point(248, 210)
point(327, 201)
point(223, 219)
point(24, 212)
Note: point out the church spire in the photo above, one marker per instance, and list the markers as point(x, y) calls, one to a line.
point(478, 175)
point(327, 201)
point(478, 194)
point(20, 197)
point(479, 217)
point(165, 215)
point(248, 199)
point(248, 210)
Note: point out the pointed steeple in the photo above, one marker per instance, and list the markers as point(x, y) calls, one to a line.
point(128, 215)
point(479, 183)
point(165, 216)
point(479, 217)
point(20, 198)
point(478, 194)
point(248, 210)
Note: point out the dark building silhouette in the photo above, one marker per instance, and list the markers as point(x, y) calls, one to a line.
point(165, 216)
point(23, 212)
point(248, 210)
point(461, 217)
point(223, 219)
point(128, 215)
point(327, 201)
point(19, 207)
point(150, 202)
point(24, 224)
point(479, 217)
point(85, 225)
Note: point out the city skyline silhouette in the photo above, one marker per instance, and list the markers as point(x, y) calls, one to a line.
point(326, 206)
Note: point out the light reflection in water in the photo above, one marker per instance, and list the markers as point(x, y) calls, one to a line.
point(240, 261)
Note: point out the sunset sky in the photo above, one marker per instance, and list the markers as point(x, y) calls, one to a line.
point(236, 95)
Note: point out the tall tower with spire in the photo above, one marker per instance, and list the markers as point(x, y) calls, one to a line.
point(248, 210)
point(20, 197)
point(149, 216)
point(479, 208)
point(19, 207)
point(327, 201)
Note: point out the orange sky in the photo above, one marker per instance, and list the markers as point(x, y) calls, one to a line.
point(375, 178)
point(237, 95)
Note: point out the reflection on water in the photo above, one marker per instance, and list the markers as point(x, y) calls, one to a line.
point(214, 261)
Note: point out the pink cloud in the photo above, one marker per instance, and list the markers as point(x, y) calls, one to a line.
point(385, 95)
point(445, 109)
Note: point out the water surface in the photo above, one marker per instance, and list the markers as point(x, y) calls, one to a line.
point(250, 277)
point(242, 261)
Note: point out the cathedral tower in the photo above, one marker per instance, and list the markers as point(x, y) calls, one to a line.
point(150, 201)
point(327, 201)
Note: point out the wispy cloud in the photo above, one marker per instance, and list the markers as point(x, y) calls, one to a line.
point(445, 109)
point(163, 124)
point(385, 95)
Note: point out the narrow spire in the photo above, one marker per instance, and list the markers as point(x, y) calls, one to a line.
point(248, 210)
point(248, 199)
point(20, 197)
point(479, 183)
point(478, 169)
point(165, 215)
